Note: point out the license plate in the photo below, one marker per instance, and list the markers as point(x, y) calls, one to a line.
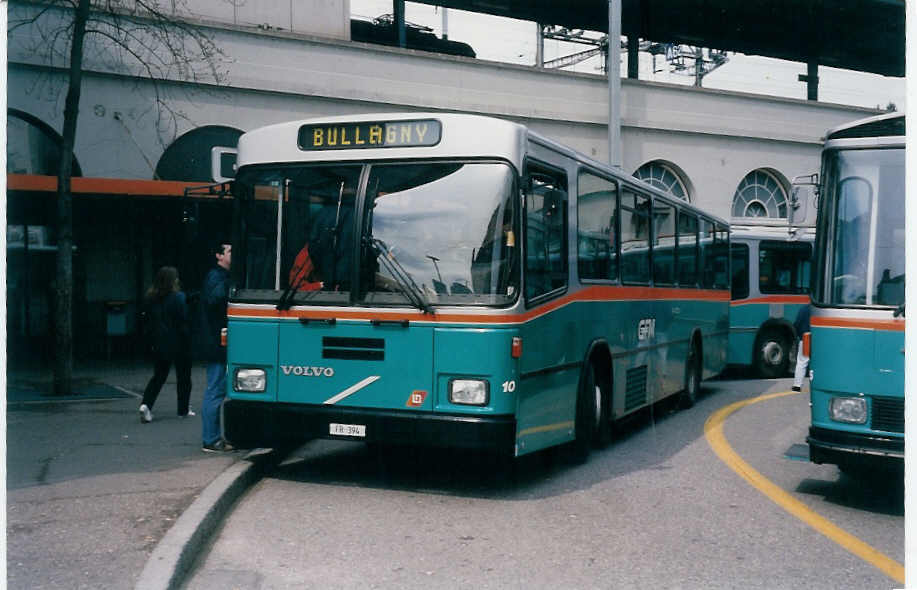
point(358, 430)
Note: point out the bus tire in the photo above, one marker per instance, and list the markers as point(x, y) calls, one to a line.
point(604, 426)
point(772, 354)
point(588, 401)
point(692, 378)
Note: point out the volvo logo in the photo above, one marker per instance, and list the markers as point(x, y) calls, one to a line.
point(301, 371)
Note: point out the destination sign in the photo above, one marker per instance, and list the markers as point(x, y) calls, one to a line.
point(383, 134)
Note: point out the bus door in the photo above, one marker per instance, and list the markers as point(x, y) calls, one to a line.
point(547, 402)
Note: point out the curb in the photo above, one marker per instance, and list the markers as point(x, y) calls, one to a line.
point(179, 548)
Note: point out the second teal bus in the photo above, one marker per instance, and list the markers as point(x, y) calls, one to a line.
point(771, 266)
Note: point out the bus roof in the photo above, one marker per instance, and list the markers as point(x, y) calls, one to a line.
point(891, 124)
point(462, 136)
point(773, 232)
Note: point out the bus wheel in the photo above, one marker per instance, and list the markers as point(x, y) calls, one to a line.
point(603, 424)
point(772, 355)
point(692, 378)
point(588, 409)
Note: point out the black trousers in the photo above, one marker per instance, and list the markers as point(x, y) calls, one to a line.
point(160, 372)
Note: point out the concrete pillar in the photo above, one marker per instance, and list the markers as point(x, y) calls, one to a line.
point(613, 67)
point(539, 46)
point(398, 10)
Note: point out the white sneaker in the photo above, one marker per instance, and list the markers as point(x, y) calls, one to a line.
point(146, 415)
point(189, 414)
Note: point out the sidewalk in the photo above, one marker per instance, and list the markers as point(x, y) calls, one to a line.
point(91, 490)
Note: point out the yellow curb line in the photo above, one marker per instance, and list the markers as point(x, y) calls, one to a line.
point(713, 431)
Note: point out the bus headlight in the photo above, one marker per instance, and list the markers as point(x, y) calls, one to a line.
point(848, 409)
point(469, 392)
point(250, 380)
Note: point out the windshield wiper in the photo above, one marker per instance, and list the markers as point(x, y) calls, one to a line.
point(401, 276)
point(286, 298)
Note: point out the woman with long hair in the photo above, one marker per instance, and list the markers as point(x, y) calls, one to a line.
point(170, 335)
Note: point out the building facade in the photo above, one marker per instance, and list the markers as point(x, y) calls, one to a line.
point(731, 153)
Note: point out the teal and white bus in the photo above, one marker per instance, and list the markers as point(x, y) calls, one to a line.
point(459, 281)
point(771, 266)
point(857, 338)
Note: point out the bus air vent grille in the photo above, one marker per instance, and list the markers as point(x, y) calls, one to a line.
point(635, 390)
point(888, 414)
point(354, 349)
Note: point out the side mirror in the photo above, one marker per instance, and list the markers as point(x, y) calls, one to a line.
point(805, 190)
point(223, 163)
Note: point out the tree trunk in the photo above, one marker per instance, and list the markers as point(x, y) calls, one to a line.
point(63, 311)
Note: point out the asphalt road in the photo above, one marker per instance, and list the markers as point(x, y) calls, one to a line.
point(91, 490)
point(656, 509)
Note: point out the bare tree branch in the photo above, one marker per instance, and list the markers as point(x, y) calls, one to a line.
point(145, 39)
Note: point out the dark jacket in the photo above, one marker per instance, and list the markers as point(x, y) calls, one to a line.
point(801, 325)
point(214, 298)
point(169, 328)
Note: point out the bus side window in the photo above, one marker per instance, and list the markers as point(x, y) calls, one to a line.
point(635, 237)
point(596, 212)
point(805, 271)
point(687, 249)
point(663, 243)
point(740, 288)
point(545, 226)
point(721, 276)
point(708, 259)
point(785, 267)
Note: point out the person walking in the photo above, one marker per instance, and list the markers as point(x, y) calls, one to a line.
point(170, 337)
point(214, 297)
point(801, 325)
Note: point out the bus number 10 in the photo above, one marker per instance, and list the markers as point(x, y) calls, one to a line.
point(509, 386)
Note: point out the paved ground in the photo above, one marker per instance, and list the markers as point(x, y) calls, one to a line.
point(91, 490)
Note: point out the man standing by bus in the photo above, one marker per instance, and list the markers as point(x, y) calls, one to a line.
point(801, 325)
point(214, 296)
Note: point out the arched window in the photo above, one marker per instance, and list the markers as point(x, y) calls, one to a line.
point(663, 177)
point(188, 157)
point(760, 194)
point(33, 146)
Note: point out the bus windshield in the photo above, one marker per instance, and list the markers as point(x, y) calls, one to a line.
point(431, 233)
point(865, 192)
point(449, 227)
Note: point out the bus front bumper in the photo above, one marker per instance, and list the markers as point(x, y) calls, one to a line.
point(844, 448)
point(248, 424)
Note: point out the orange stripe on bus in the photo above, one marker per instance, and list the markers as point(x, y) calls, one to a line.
point(774, 299)
point(595, 293)
point(859, 323)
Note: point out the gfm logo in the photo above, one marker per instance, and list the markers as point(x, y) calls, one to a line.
point(302, 371)
point(416, 399)
point(646, 329)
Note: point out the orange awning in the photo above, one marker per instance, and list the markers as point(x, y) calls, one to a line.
point(106, 186)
